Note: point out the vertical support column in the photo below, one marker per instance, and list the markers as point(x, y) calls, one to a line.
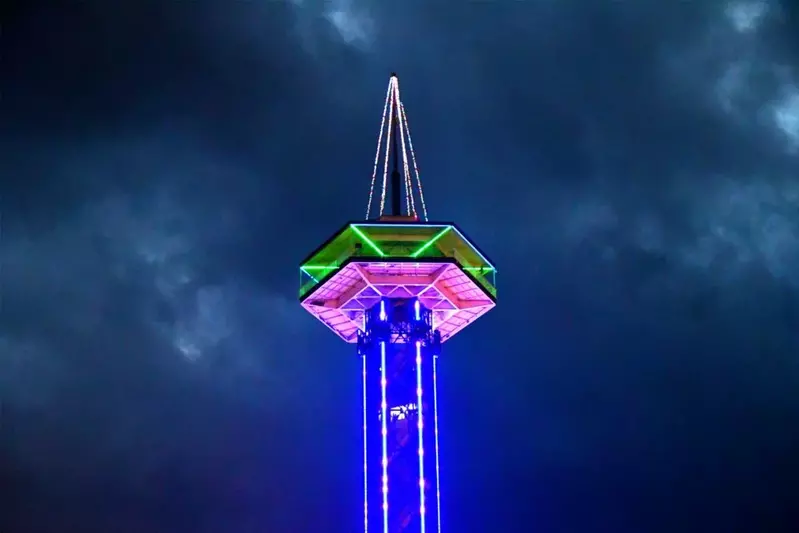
point(375, 517)
point(420, 409)
point(428, 440)
point(400, 475)
point(365, 450)
point(435, 435)
point(384, 424)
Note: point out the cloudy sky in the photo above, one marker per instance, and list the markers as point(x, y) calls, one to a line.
point(631, 167)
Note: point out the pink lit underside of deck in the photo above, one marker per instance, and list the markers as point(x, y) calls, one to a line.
point(456, 300)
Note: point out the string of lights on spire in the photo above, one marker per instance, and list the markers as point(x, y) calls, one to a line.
point(395, 120)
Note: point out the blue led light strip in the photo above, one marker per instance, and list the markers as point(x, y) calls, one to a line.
point(435, 423)
point(421, 432)
point(384, 417)
point(365, 456)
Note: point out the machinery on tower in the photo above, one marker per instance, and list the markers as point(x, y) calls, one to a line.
point(398, 286)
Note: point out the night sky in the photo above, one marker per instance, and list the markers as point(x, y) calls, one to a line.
point(632, 168)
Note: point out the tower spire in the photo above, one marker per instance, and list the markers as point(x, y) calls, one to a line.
point(394, 127)
point(396, 189)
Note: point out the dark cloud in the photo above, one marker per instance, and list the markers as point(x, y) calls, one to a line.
point(629, 166)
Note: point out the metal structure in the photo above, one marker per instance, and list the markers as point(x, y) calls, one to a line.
point(398, 286)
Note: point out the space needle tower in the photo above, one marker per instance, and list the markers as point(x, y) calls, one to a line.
point(398, 286)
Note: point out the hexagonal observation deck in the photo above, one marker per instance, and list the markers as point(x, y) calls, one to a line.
point(365, 262)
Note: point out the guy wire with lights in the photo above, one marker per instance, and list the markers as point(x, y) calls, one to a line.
point(398, 286)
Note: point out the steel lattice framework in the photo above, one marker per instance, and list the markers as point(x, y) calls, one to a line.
point(398, 287)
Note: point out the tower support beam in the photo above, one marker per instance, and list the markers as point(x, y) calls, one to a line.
point(398, 346)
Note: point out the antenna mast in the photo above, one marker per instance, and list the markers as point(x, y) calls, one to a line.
point(396, 189)
point(396, 128)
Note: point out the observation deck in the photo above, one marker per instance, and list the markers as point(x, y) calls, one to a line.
point(365, 262)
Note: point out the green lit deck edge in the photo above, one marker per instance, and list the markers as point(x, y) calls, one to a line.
point(327, 270)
